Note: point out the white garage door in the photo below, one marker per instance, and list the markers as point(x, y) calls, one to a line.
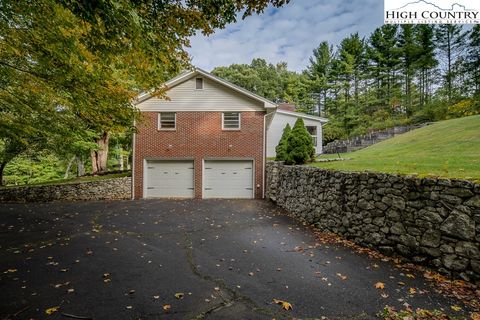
point(228, 179)
point(169, 179)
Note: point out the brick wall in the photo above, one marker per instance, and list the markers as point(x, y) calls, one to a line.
point(199, 135)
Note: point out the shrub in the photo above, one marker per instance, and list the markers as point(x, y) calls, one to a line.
point(332, 132)
point(464, 108)
point(300, 147)
point(281, 148)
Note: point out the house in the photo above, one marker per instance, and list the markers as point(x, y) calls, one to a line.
point(284, 114)
point(207, 140)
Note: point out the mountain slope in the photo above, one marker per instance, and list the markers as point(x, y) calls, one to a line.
point(448, 148)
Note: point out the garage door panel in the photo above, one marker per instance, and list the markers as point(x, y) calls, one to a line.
point(228, 179)
point(169, 179)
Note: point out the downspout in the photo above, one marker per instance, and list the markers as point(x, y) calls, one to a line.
point(265, 150)
point(264, 154)
point(133, 160)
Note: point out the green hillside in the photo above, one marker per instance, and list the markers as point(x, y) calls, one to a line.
point(448, 149)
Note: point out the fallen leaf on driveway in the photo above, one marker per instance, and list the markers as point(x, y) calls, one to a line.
point(166, 307)
point(412, 291)
point(179, 295)
point(411, 276)
point(251, 274)
point(129, 307)
point(380, 285)
point(10, 271)
point(384, 295)
point(70, 290)
point(51, 310)
point(62, 284)
point(475, 316)
point(341, 276)
point(156, 297)
point(285, 305)
point(456, 308)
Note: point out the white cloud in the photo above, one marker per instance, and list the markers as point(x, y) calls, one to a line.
point(289, 33)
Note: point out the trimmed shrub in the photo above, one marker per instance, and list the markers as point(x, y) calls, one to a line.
point(281, 148)
point(300, 147)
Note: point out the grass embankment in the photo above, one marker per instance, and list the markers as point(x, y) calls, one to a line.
point(449, 149)
point(74, 180)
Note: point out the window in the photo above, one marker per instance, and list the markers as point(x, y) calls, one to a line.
point(313, 133)
point(167, 120)
point(231, 121)
point(199, 83)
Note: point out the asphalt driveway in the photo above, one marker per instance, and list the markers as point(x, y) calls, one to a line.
point(223, 259)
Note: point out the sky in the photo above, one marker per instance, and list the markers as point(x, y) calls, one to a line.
point(289, 33)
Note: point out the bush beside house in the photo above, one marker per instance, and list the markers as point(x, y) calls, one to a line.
point(296, 145)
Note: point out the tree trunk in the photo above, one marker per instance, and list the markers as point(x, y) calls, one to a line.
point(120, 159)
point(2, 167)
point(65, 176)
point(100, 156)
point(80, 166)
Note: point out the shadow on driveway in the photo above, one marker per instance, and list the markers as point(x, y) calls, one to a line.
point(228, 258)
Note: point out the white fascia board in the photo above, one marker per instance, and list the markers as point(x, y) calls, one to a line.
point(302, 115)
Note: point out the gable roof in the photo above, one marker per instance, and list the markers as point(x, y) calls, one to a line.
point(267, 104)
point(302, 115)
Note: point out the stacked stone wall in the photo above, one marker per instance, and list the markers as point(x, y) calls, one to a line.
point(108, 189)
point(430, 221)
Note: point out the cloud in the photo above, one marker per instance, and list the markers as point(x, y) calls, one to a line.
point(287, 34)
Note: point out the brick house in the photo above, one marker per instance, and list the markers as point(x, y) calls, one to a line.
point(208, 139)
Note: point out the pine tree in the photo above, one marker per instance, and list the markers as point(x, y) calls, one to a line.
point(281, 148)
point(474, 58)
point(451, 40)
point(384, 62)
point(409, 51)
point(299, 144)
point(427, 61)
point(319, 73)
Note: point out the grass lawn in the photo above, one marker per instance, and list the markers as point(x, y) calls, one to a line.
point(74, 180)
point(449, 149)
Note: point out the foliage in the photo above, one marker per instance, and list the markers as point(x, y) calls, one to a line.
point(446, 149)
point(281, 148)
point(69, 69)
point(333, 131)
point(300, 147)
point(34, 168)
point(273, 82)
point(464, 108)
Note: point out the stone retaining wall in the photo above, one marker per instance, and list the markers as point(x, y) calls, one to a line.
point(108, 189)
point(430, 221)
point(363, 141)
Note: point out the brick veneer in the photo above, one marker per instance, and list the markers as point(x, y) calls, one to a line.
point(199, 135)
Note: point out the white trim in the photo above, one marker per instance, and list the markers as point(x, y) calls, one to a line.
point(264, 154)
point(302, 115)
point(133, 162)
point(239, 121)
point(267, 104)
point(144, 195)
point(159, 121)
point(203, 179)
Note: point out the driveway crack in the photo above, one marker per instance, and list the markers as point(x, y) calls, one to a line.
point(235, 296)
